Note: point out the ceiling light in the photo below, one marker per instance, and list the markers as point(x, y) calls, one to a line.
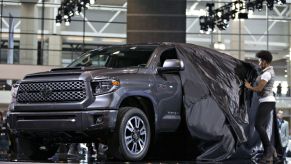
point(68, 21)
point(219, 45)
point(92, 2)
point(232, 10)
point(219, 13)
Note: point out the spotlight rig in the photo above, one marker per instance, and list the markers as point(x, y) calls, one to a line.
point(220, 17)
point(69, 8)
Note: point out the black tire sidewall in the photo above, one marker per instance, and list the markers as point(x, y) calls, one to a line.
point(126, 115)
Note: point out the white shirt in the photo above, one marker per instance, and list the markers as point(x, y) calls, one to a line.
point(266, 76)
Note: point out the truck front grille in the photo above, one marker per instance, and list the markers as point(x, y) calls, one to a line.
point(50, 92)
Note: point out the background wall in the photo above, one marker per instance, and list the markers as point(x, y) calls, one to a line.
point(38, 41)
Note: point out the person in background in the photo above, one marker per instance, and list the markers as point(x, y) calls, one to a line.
point(1, 119)
point(283, 131)
point(1, 143)
point(279, 90)
point(288, 94)
point(267, 102)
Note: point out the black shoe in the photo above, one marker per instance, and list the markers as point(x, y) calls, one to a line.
point(279, 160)
point(265, 160)
point(269, 154)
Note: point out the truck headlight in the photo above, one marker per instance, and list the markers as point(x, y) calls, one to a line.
point(102, 86)
point(14, 90)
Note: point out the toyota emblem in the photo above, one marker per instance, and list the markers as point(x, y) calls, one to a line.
point(46, 91)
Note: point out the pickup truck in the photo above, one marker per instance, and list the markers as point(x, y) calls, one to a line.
point(121, 96)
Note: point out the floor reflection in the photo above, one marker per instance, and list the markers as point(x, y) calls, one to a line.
point(89, 153)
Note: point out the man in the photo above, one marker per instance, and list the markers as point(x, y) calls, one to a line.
point(279, 90)
point(267, 101)
point(283, 130)
point(288, 94)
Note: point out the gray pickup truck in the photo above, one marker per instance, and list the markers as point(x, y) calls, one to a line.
point(121, 96)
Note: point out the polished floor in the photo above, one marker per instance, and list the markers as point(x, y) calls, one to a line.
point(82, 155)
point(86, 158)
point(79, 153)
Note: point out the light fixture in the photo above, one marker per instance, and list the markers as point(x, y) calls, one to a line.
point(87, 5)
point(233, 14)
point(259, 5)
point(92, 2)
point(219, 45)
point(203, 23)
point(238, 5)
point(78, 9)
point(58, 20)
point(219, 14)
point(69, 8)
point(68, 21)
point(281, 2)
point(237, 9)
point(209, 7)
point(270, 4)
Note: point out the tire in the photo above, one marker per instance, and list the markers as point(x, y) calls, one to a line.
point(131, 143)
point(28, 150)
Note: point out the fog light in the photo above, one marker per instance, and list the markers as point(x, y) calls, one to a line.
point(99, 120)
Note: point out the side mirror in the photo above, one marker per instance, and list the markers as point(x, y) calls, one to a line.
point(171, 65)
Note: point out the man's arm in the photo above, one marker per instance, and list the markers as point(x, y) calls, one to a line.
point(257, 88)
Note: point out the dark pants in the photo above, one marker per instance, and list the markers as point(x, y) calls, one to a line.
point(262, 120)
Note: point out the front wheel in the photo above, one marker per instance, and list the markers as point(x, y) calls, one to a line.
point(132, 135)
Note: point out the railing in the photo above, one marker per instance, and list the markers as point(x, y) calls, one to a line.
point(283, 102)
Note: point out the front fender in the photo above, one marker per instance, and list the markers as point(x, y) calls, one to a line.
point(143, 94)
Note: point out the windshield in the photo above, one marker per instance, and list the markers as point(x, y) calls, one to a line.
point(116, 57)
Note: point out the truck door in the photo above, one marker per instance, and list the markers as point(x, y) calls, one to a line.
point(169, 93)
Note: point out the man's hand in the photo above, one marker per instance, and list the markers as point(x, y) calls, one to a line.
point(248, 85)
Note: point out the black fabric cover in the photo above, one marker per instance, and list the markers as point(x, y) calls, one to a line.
point(216, 103)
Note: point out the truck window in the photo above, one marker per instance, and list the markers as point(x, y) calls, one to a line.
point(115, 57)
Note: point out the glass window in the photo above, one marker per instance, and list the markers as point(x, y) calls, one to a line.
point(115, 57)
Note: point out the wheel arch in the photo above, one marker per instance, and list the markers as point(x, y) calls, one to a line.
point(146, 105)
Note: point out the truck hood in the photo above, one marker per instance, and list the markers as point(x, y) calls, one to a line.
point(84, 72)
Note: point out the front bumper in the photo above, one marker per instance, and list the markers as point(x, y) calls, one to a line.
point(74, 121)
